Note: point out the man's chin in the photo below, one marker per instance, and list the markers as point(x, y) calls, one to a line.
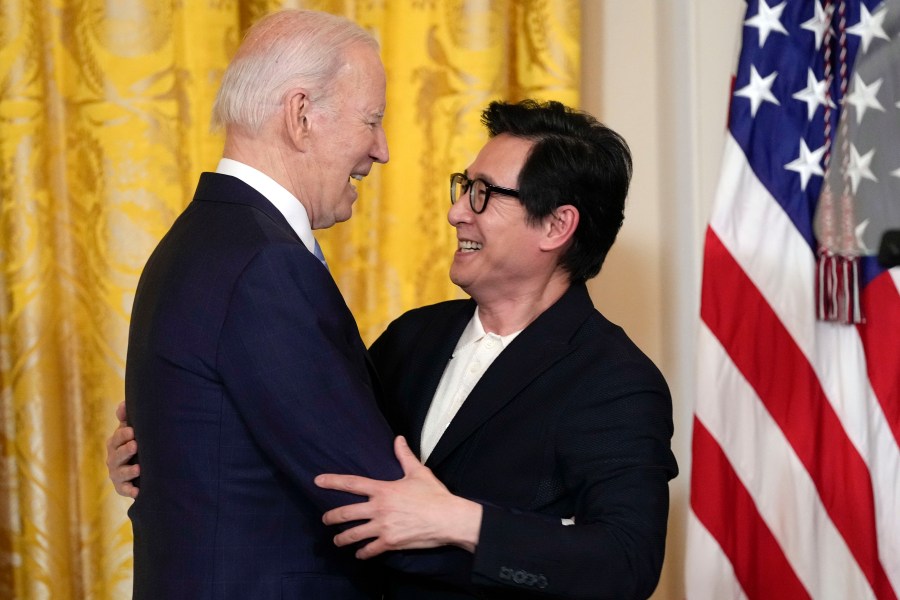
point(457, 280)
point(344, 210)
point(343, 216)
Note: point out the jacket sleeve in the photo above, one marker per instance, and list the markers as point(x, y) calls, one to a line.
point(614, 451)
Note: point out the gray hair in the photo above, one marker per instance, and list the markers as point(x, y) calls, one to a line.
point(281, 51)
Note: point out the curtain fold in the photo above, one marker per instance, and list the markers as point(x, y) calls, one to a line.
point(104, 129)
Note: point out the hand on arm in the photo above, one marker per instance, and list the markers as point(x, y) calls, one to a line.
point(414, 512)
point(120, 448)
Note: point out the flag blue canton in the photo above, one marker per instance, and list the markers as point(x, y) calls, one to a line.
point(778, 108)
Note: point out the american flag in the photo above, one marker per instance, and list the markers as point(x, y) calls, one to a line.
point(795, 484)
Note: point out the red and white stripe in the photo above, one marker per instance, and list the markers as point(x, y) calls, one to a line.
point(795, 485)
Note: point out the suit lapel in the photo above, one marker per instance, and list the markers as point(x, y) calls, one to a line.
point(540, 345)
point(431, 355)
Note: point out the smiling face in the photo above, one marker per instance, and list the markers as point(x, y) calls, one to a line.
point(346, 138)
point(498, 253)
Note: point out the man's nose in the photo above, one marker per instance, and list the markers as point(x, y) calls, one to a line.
point(380, 151)
point(460, 211)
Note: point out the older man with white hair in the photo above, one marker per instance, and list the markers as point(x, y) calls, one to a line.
point(246, 375)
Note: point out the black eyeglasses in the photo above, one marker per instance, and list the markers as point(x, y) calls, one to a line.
point(479, 191)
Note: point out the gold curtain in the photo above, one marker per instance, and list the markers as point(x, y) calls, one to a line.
point(104, 112)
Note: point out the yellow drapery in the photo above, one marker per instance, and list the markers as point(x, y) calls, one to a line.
point(104, 112)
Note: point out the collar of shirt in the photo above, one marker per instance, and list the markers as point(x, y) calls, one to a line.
point(474, 353)
point(286, 203)
point(474, 332)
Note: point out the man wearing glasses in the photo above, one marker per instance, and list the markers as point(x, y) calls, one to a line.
point(544, 431)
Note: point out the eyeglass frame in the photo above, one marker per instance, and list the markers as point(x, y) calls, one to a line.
point(489, 188)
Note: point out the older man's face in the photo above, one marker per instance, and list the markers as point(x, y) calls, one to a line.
point(347, 140)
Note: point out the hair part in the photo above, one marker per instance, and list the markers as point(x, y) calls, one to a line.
point(574, 160)
point(282, 51)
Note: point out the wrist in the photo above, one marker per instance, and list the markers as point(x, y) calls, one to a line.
point(465, 524)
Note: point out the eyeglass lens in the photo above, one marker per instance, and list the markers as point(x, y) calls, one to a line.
point(475, 188)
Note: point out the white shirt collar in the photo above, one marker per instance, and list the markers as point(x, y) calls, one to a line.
point(474, 331)
point(475, 352)
point(286, 203)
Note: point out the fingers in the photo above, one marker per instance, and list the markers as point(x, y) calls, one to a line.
point(123, 454)
point(122, 477)
point(347, 513)
point(127, 489)
point(121, 435)
point(355, 534)
point(358, 534)
point(371, 549)
point(120, 413)
point(120, 448)
point(361, 486)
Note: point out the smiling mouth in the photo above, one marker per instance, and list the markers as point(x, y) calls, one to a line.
point(354, 179)
point(469, 246)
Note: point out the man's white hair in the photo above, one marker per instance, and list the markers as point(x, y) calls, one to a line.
point(282, 51)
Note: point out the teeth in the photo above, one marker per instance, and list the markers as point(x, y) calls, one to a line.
point(469, 246)
point(357, 177)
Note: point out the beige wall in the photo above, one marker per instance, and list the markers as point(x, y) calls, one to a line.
point(658, 72)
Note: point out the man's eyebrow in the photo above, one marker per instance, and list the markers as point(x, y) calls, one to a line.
point(482, 176)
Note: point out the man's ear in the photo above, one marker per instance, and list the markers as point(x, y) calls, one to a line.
point(559, 227)
point(296, 107)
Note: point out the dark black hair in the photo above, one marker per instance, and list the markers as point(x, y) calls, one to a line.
point(575, 160)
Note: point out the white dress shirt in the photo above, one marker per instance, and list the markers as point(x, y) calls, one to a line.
point(286, 203)
point(474, 353)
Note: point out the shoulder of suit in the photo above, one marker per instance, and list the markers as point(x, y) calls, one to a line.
point(439, 310)
point(433, 318)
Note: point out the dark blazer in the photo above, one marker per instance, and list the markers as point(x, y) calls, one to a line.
point(246, 377)
point(571, 419)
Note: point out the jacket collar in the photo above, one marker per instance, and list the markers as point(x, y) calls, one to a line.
point(438, 346)
point(227, 189)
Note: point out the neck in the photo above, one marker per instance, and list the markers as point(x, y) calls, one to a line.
point(506, 313)
point(259, 152)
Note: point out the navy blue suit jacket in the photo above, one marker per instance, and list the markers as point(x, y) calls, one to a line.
point(571, 419)
point(246, 377)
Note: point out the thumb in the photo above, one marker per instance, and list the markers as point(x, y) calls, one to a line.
point(408, 460)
